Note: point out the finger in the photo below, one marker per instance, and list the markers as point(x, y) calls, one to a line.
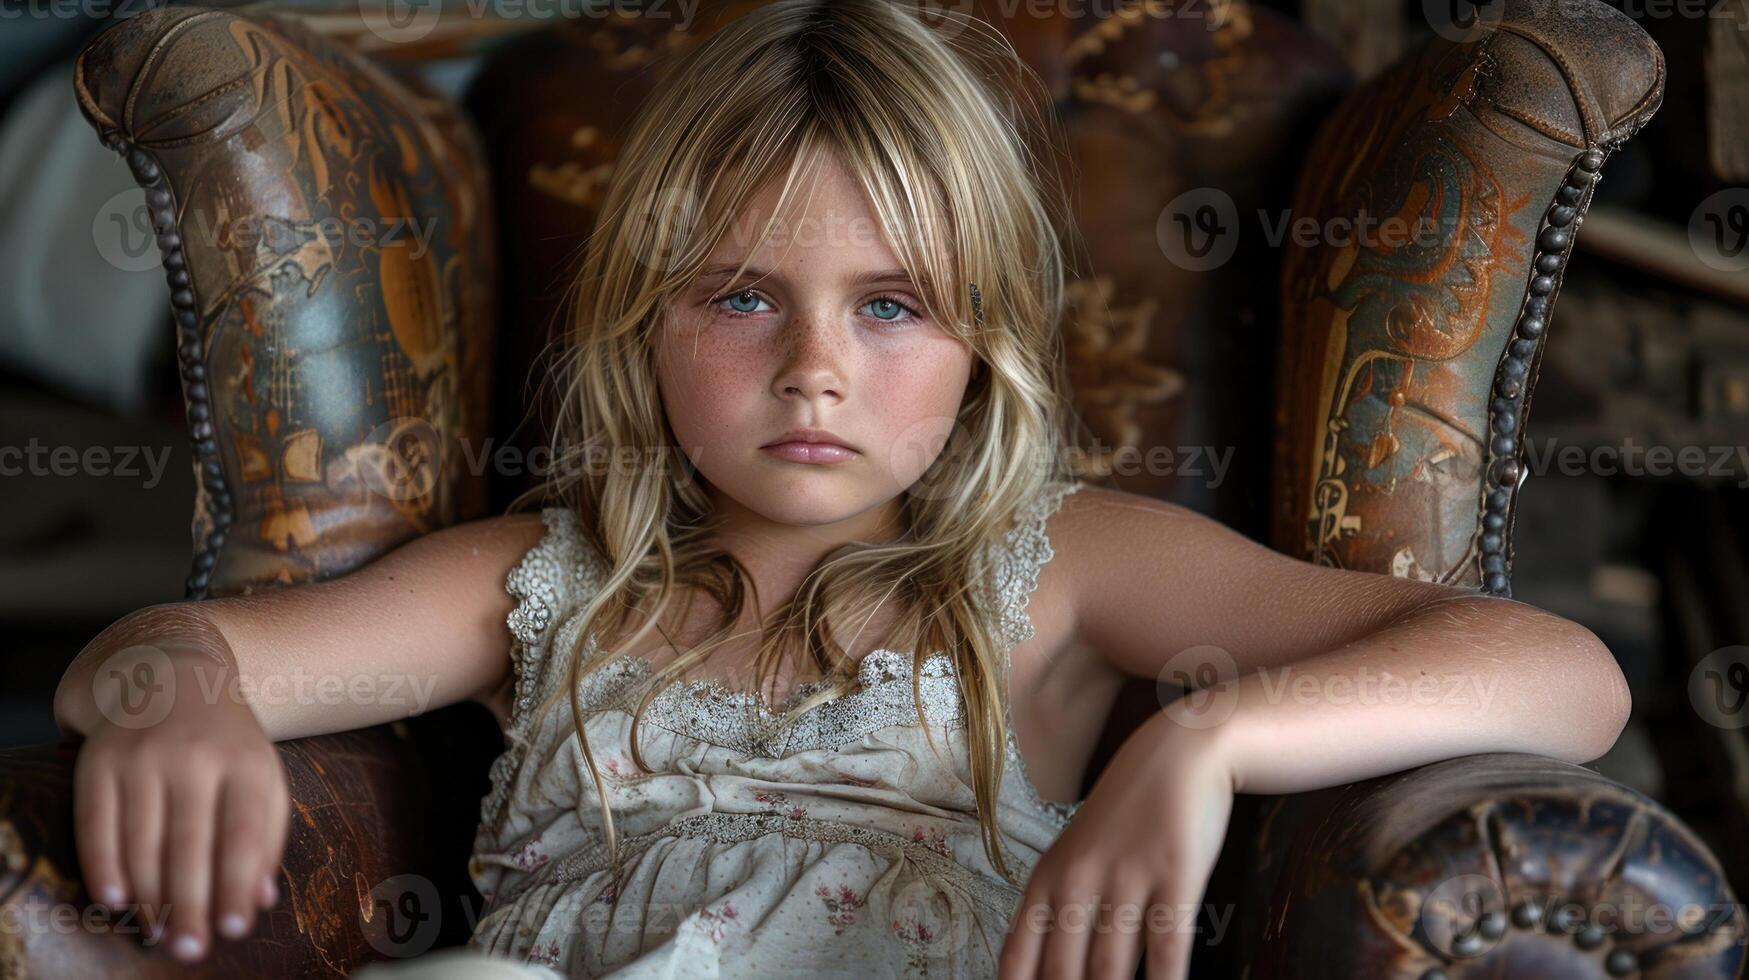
point(1115, 945)
point(1167, 942)
point(278, 818)
point(237, 857)
point(96, 815)
point(1066, 945)
point(188, 863)
point(142, 808)
point(1020, 951)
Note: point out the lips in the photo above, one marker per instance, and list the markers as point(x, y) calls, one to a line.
point(812, 437)
point(810, 446)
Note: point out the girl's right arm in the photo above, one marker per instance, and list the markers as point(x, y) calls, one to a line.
point(179, 705)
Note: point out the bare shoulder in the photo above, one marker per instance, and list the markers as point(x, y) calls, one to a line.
point(1099, 527)
point(1055, 655)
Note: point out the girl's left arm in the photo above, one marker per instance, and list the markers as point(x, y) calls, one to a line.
point(1301, 677)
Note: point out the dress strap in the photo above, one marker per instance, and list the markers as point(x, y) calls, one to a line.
point(1023, 552)
point(551, 581)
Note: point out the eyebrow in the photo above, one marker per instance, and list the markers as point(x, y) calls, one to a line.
point(860, 279)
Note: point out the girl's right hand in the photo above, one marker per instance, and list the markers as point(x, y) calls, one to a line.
point(180, 803)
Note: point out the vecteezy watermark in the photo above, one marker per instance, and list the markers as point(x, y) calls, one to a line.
point(36, 459)
point(1464, 915)
point(135, 687)
point(87, 10)
point(402, 916)
point(949, 17)
point(124, 235)
point(406, 21)
point(1101, 917)
point(29, 915)
point(1718, 687)
point(1645, 10)
point(1633, 459)
point(914, 453)
point(138, 686)
point(1201, 228)
point(1467, 915)
point(410, 692)
point(1199, 687)
point(1718, 230)
point(1463, 21)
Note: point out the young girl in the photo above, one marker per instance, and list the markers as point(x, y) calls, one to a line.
point(801, 665)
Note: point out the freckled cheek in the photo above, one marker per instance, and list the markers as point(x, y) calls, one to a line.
point(711, 390)
point(918, 393)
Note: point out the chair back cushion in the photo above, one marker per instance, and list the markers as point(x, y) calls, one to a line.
point(326, 235)
point(1443, 197)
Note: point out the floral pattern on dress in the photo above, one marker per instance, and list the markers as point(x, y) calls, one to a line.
point(546, 954)
point(932, 838)
point(841, 906)
point(916, 937)
point(719, 920)
point(776, 802)
point(531, 856)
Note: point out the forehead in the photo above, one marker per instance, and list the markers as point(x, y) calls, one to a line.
point(827, 223)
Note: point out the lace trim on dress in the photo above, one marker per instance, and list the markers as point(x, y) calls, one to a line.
point(1025, 552)
point(994, 894)
point(544, 582)
point(560, 565)
point(743, 721)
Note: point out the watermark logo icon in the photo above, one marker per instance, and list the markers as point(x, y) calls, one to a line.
point(135, 687)
point(1718, 687)
point(1718, 230)
point(1199, 229)
point(400, 21)
point(1463, 21)
point(1198, 688)
point(402, 915)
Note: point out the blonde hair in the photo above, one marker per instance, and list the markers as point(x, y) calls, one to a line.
point(952, 139)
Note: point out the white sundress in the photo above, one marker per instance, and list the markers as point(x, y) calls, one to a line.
point(843, 845)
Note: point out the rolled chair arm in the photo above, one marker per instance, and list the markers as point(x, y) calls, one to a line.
point(1498, 865)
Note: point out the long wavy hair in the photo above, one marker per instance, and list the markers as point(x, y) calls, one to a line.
point(954, 141)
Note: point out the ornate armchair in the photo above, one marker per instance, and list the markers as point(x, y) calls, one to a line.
point(341, 387)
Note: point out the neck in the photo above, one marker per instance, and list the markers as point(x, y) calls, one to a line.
point(778, 556)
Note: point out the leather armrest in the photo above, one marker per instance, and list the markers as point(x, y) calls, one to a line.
point(1497, 865)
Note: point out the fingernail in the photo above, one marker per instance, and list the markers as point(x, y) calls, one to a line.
point(154, 932)
point(272, 892)
point(232, 925)
point(110, 895)
point(186, 946)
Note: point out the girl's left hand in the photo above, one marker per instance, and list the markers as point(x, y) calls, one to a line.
point(1128, 872)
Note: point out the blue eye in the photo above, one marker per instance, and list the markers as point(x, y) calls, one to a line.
point(744, 295)
point(886, 302)
point(889, 308)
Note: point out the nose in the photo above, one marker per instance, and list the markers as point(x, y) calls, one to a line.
point(811, 369)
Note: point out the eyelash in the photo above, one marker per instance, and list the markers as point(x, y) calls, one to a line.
point(889, 298)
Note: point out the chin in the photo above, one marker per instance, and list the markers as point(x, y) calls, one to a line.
point(803, 496)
